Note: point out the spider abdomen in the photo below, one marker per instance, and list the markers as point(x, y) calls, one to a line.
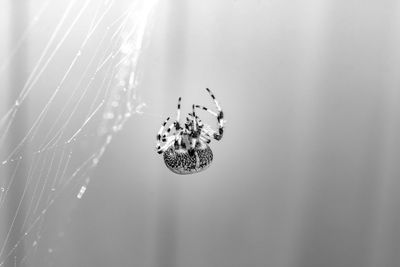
point(180, 161)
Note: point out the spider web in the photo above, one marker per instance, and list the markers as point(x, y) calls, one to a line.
point(79, 90)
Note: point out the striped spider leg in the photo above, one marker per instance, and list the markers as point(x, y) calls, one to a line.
point(219, 115)
point(175, 137)
point(204, 135)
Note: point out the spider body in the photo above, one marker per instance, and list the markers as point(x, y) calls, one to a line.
point(186, 150)
point(183, 161)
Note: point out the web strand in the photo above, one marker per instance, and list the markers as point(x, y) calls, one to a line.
point(82, 109)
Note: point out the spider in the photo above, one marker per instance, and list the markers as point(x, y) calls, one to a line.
point(186, 150)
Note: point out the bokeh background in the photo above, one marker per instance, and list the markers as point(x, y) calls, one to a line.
point(308, 171)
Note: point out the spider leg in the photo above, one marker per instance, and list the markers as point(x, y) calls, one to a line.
point(208, 131)
point(178, 111)
point(207, 109)
point(178, 116)
point(205, 137)
point(176, 122)
point(216, 135)
point(167, 144)
point(194, 119)
point(164, 138)
point(168, 130)
point(215, 100)
point(220, 117)
point(160, 132)
point(176, 136)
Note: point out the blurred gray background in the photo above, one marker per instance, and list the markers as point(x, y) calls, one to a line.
point(307, 173)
